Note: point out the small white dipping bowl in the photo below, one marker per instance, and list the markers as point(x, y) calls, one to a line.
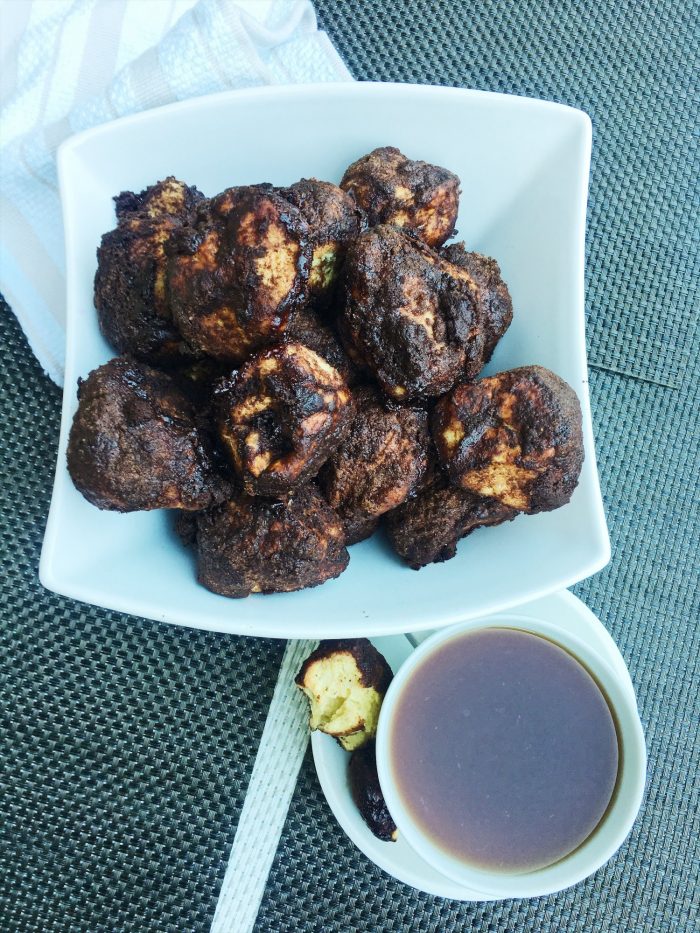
point(610, 832)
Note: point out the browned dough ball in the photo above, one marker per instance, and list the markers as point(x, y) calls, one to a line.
point(345, 681)
point(237, 275)
point(392, 189)
point(426, 529)
point(281, 416)
point(494, 304)
point(409, 315)
point(515, 437)
point(379, 464)
point(135, 443)
point(133, 307)
point(250, 545)
point(333, 220)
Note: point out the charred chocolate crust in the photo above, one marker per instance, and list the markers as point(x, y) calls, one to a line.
point(494, 302)
point(239, 272)
point(371, 664)
point(199, 379)
point(307, 327)
point(409, 315)
point(379, 464)
point(329, 211)
point(135, 444)
point(358, 528)
point(333, 219)
point(253, 545)
point(367, 794)
point(392, 189)
point(131, 296)
point(169, 197)
point(516, 436)
point(281, 416)
point(427, 528)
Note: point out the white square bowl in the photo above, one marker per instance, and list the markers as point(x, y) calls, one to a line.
point(524, 171)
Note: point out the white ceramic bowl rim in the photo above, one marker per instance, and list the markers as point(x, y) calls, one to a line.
point(524, 169)
point(610, 833)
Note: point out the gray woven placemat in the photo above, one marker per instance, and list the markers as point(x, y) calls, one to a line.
point(126, 746)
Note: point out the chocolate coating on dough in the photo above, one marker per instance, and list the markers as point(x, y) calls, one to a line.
point(515, 437)
point(135, 443)
point(333, 219)
point(281, 416)
point(252, 545)
point(392, 189)
point(379, 464)
point(426, 529)
point(131, 296)
point(494, 304)
point(237, 275)
point(409, 315)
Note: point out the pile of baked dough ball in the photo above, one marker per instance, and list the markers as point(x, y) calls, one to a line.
point(298, 366)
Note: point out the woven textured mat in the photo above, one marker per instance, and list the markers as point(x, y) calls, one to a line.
point(126, 746)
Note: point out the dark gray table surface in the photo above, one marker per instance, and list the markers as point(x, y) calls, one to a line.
point(126, 746)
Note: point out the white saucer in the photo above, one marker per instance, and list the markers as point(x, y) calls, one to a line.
point(397, 858)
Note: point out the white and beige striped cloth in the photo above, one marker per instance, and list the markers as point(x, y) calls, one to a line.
point(67, 65)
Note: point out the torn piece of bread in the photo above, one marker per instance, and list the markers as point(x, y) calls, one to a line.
point(345, 682)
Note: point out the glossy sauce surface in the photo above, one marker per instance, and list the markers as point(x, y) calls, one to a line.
point(504, 750)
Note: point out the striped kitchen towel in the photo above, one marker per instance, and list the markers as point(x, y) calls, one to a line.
point(68, 65)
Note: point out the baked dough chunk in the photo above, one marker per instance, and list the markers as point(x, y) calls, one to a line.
point(333, 219)
point(131, 297)
point(379, 464)
point(409, 315)
point(515, 437)
point(426, 529)
point(495, 306)
point(281, 416)
point(307, 327)
point(392, 189)
point(249, 545)
point(345, 681)
point(135, 443)
point(237, 275)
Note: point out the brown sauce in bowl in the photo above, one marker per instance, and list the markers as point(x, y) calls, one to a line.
point(504, 750)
